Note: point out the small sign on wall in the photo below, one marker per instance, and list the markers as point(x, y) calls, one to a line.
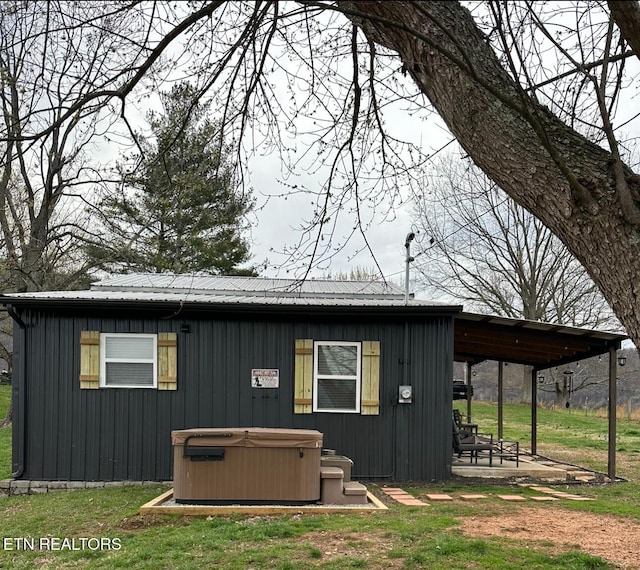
point(265, 378)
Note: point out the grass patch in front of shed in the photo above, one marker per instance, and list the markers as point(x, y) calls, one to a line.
point(401, 537)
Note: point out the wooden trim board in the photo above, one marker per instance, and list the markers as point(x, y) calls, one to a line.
point(157, 506)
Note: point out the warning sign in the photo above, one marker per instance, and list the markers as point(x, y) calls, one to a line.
point(265, 378)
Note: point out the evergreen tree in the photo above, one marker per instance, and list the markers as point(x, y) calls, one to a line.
point(179, 210)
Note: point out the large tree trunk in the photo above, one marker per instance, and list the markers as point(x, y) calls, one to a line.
point(544, 165)
point(626, 15)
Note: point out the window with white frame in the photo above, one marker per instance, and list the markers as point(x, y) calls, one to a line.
point(128, 360)
point(336, 376)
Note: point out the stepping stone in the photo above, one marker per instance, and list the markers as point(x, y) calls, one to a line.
point(576, 498)
point(472, 497)
point(577, 474)
point(439, 497)
point(512, 498)
point(585, 478)
point(394, 491)
point(402, 497)
point(563, 495)
point(545, 498)
point(412, 502)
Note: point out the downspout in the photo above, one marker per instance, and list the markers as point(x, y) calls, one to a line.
point(22, 391)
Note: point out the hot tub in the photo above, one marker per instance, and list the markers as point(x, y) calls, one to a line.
point(246, 465)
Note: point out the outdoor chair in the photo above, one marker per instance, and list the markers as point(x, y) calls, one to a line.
point(463, 426)
point(472, 445)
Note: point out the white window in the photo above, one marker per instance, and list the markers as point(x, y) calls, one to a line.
point(128, 360)
point(336, 376)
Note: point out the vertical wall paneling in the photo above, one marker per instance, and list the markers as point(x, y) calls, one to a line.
point(125, 433)
point(18, 389)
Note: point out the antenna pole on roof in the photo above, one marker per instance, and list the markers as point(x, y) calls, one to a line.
point(407, 244)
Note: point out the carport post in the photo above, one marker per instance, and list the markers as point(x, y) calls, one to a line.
point(534, 411)
point(468, 379)
point(613, 404)
point(500, 396)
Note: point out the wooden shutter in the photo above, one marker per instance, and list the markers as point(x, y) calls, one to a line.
point(303, 381)
point(167, 361)
point(89, 360)
point(370, 402)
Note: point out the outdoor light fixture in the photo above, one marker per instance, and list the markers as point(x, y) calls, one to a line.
point(541, 379)
point(407, 244)
point(622, 360)
point(410, 237)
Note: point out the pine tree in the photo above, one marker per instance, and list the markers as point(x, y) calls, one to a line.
point(179, 209)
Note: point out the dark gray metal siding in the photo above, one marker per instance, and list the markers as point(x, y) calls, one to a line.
point(124, 434)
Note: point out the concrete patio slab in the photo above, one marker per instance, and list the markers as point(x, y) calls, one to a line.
point(527, 467)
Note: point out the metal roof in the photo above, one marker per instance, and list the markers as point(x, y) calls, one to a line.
point(184, 292)
point(541, 345)
point(141, 297)
point(249, 286)
point(476, 337)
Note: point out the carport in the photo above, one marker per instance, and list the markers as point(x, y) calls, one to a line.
point(540, 345)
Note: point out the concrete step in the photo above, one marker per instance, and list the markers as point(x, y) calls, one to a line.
point(335, 491)
point(340, 461)
point(354, 488)
point(354, 493)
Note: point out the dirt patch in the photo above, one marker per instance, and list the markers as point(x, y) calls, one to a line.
point(141, 522)
point(612, 538)
point(365, 546)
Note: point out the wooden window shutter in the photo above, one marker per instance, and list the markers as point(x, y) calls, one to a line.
point(303, 381)
point(167, 361)
point(370, 403)
point(89, 360)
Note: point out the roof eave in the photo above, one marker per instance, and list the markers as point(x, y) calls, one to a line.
point(180, 307)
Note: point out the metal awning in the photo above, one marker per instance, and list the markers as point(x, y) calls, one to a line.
point(540, 345)
point(532, 343)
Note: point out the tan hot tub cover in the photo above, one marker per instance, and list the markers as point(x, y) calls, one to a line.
point(246, 465)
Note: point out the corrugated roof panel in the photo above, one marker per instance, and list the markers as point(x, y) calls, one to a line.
point(194, 283)
point(515, 324)
point(212, 298)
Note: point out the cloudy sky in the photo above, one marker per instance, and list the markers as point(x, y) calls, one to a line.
point(280, 213)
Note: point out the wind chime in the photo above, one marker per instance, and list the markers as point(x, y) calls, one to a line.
point(567, 386)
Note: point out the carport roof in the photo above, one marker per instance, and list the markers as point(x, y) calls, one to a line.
point(541, 345)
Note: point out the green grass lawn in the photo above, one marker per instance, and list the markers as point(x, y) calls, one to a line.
point(402, 537)
point(5, 434)
point(570, 435)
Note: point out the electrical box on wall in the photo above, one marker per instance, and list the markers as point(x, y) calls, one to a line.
point(405, 394)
